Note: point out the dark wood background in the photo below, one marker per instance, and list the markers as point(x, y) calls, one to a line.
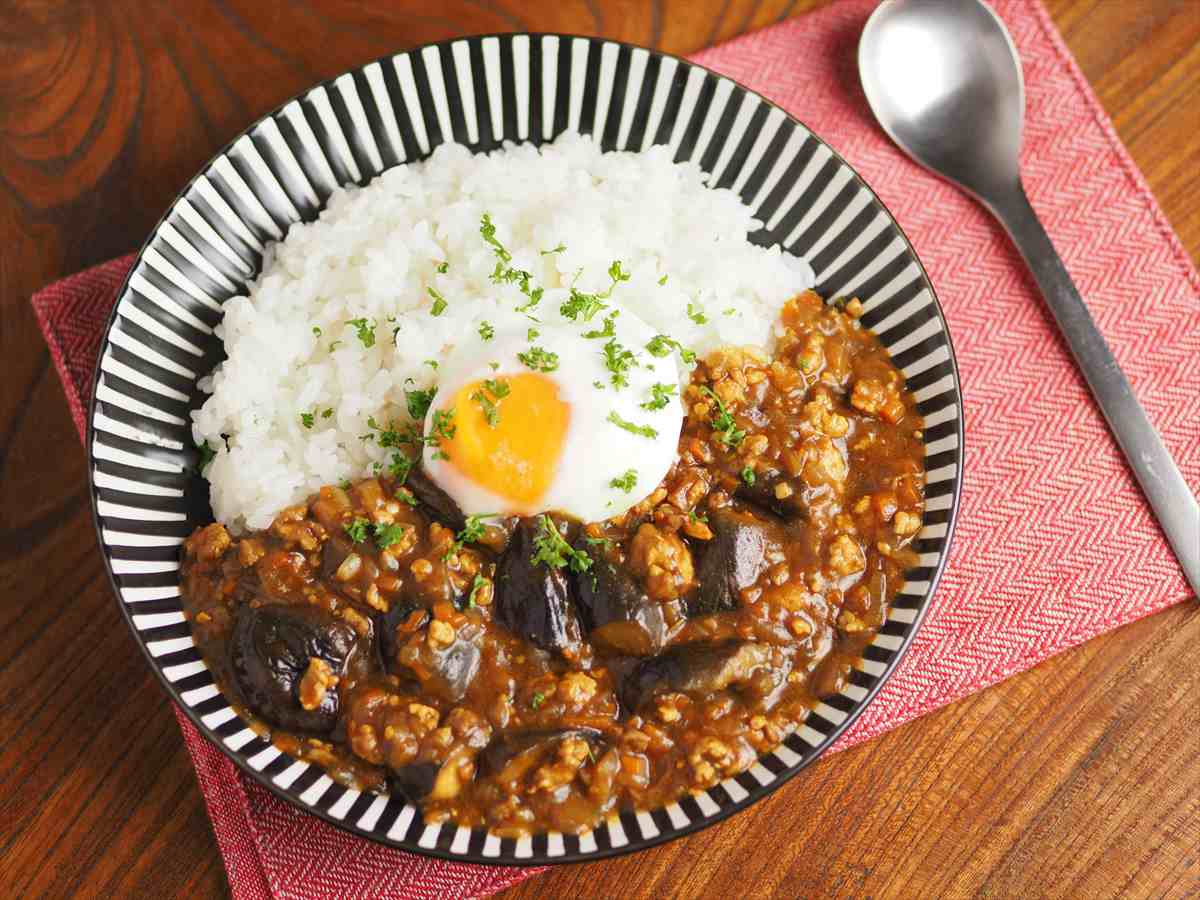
point(1080, 778)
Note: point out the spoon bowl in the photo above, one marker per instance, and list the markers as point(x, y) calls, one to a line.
point(944, 81)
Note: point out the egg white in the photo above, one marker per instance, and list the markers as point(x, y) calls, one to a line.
point(595, 450)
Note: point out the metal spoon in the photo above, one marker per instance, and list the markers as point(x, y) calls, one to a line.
point(944, 80)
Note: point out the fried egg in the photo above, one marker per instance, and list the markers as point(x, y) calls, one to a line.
point(546, 418)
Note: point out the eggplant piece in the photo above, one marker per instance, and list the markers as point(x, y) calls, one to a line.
point(700, 667)
point(414, 782)
point(618, 615)
point(435, 500)
point(508, 747)
point(535, 601)
point(762, 495)
point(453, 667)
point(270, 650)
point(387, 623)
point(733, 559)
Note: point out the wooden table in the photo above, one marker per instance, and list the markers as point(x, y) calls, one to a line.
point(1078, 778)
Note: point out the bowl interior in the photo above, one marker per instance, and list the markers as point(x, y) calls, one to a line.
point(481, 92)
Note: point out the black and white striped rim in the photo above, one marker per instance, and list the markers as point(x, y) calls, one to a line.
point(481, 91)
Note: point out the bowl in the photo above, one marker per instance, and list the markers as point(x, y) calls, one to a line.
point(481, 91)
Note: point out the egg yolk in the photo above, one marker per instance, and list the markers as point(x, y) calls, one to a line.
point(516, 454)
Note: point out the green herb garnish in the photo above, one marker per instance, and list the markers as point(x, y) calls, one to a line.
point(696, 314)
point(479, 582)
point(432, 363)
point(486, 331)
point(365, 331)
point(386, 535)
point(643, 430)
point(626, 482)
point(472, 532)
point(532, 335)
point(607, 331)
point(662, 281)
point(748, 476)
point(398, 467)
point(307, 419)
point(660, 396)
point(327, 414)
point(661, 345)
point(443, 428)
point(439, 302)
point(539, 359)
point(487, 397)
point(618, 360)
point(358, 530)
point(419, 402)
point(559, 249)
point(587, 305)
point(723, 422)
point(316, 331)
point(206, 455)
point(537, 700)
point(443, 267)
point(551, 549)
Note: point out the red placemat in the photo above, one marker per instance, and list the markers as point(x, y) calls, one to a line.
point(1054, 543)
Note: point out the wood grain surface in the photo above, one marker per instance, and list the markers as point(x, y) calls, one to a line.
point(1080, 778)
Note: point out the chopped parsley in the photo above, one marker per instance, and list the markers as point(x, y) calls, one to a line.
point(532, 335)
point(307, 419)
point(723, 422)
point(399, 467)
point(587, 305)
point(539, 359)
point(334, 346)
point(662, 281)
point(660, 396)
point(486, 331)
point(626, 482)
point(487, 397)
point(419, 401)
point(729, 311)
point(551, 549)
point(606, 331)
point(748, 476)
point(478, 583)
point(696, 314)
point(327, 414)
point(432, 363)
point(443, 267)
point(472, 531)
point(598, 385)
point(595, 541)
point(504, 273)
point(443, 427)
point(206, 455)
point(661, 345)
point(618, 360)
point(643, 430)
point(559, 249)
point(404, 495)
point(358, 530)
point(364, 329)
point(537, 700)
point(316, 330)
point(386, 535)
point(697, 517)
point(439, 302)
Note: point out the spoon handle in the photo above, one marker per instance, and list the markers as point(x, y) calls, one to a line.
point(1169, 495)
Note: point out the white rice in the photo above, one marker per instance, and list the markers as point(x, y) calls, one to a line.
point(373, 254)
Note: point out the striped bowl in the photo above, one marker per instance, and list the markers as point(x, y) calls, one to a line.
point(480, 92)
